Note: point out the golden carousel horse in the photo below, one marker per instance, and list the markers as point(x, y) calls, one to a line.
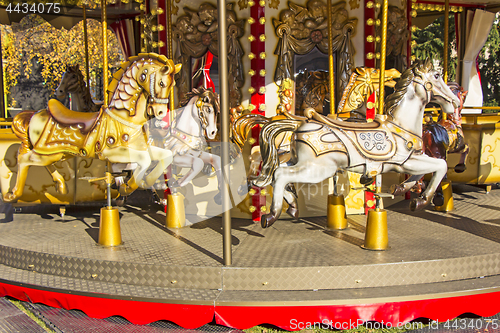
point(321, 145)
point(138, 92)
point(364, 81)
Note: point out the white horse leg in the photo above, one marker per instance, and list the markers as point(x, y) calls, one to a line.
point(188, 161)
point(164, 158)
point(309, 169)
point(215, 162)
point(421, 164)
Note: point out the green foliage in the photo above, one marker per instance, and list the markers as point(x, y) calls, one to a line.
point(429, 43)
point(489, 67)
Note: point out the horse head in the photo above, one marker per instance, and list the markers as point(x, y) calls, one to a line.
point(158, 82)
point(71, 80)
point(432, 86)
point(207, 104)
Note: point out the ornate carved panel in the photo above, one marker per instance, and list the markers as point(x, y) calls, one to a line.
point(397, 37)
point(197, 32)
point(301, 29)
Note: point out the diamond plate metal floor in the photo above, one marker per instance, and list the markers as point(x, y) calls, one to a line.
point(288, 262)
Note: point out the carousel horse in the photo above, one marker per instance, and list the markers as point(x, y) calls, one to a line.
point(446, 135)
point(138, 92)
point(441, 138)
point(73, 83)
point(321, 145)
point(185, 138)
point(364, 81)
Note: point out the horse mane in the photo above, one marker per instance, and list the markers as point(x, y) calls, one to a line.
point(200, 92)
point(118, 75)
point(401, 87)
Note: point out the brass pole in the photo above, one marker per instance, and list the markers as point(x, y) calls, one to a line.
point(2, 89)
point(225, 122)
point(383, 46)
point(85, 37)
point(104, 51)
point(331, 69)
point(170, 51)
point(445, 39)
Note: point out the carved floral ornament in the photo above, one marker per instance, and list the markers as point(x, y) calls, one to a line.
point(301, 29)
point(196, 32)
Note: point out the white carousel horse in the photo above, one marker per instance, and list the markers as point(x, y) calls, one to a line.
point(323, 146)
point(186, 137)
point(73, 82)
point(139, 91)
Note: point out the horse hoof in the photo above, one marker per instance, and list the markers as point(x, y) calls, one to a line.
point(365, 180)
point(418, 204)
point(397, 190)
point(438, 199)
point(62, 189)
point(10, 197)
point(267, 220)
point(459, 168)
point(293, 212)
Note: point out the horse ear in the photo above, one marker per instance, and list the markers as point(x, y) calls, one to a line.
point(177, 68)
point(428, 64)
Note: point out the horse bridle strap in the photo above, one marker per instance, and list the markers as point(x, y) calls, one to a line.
point(121, 120)
point(152, 91)
point(193, 141)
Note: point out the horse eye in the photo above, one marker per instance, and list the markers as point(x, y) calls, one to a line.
point(162, 84)
point(437, 75)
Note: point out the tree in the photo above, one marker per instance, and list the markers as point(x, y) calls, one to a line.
point(429, 43)
point(489, 66)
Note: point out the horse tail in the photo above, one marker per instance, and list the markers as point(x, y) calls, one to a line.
point(20, 125)
point(243, 125)
point(268, 149)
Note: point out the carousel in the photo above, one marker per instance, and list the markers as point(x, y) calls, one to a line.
point(249, 163)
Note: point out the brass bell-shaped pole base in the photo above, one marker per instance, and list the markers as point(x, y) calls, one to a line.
point(448, 197)
point(376, 237)
point(109, 227)
point(336, 214)
point(176, 216)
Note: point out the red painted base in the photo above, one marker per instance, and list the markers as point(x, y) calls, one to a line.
point(242, 317)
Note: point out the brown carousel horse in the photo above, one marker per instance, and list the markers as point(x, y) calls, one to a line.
point(73, 82)
point(116, 133)
point(446, 135)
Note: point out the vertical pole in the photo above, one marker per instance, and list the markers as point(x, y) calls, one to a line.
point(409, 5)
point(445, 39)
point(224, 103)
point(85, 37)
point(104, 52)
point(2, 91)
point(383, 46)
point(170, 50)
point(331, 69)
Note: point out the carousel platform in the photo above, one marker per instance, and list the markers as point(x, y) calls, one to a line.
point(439, 265)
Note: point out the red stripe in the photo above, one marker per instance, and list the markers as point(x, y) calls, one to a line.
point(242, 317)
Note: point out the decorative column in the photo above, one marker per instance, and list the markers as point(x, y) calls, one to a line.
point(257, 90)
